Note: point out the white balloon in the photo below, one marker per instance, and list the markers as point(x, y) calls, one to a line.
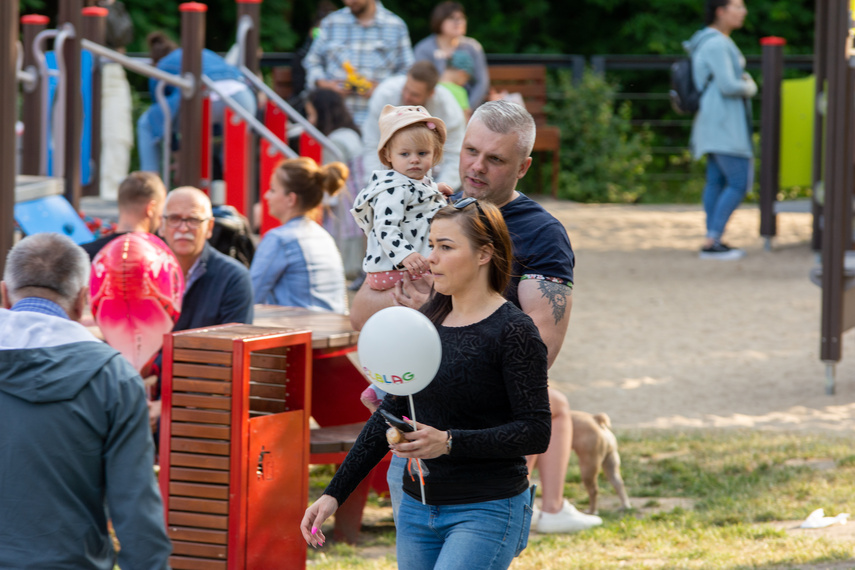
point(399, 350)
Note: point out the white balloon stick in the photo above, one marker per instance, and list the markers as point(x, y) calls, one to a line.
point(421, 481)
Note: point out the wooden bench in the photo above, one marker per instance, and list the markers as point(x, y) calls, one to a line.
point(530, 82)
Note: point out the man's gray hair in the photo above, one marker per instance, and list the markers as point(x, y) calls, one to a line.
point(504, 117)
point(49, 261)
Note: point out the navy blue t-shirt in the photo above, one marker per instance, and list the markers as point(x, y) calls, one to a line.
point(542, 248)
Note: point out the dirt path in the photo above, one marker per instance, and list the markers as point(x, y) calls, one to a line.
point(660, 338)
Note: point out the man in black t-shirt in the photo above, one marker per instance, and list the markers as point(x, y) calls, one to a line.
point(141, 199)
point(496, 154)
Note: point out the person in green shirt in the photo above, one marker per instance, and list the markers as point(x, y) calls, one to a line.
point(456, 75)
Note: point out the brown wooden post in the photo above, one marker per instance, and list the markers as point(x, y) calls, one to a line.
point(70, 14)
point(95, 30)
point(837, 212)
point(190, 116)
point(820, 73)
point(772, 64)
point(31, 147)
point(8, 97)
point(251, 8)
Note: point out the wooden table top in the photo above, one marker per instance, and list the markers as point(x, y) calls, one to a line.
point(329, 330)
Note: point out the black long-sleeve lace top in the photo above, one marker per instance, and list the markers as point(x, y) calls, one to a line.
point(490, 392)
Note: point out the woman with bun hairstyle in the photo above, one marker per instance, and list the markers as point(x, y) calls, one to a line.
point(486, 409)
point(297, 264)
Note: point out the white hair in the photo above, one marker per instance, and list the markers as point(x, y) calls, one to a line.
point(47, 261)
point(504, 117)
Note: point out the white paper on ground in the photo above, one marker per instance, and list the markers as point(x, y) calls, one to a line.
point(817, 519)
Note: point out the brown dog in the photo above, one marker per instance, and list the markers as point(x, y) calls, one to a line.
point(596, 445)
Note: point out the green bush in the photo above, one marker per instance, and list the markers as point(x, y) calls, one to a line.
point(602, 158)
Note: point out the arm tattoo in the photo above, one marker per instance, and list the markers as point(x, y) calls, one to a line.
point(557, 296)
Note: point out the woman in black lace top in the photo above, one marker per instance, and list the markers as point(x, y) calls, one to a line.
point(486, 409)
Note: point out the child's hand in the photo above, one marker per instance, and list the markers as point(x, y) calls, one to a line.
point(445, 188)
point(416, 264)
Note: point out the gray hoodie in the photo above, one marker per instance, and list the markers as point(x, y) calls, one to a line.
point(722, 125)
point(74, 442)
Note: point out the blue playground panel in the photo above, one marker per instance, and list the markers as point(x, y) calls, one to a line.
point(51, 214)
point(86, 67)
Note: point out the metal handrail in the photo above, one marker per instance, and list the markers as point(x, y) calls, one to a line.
point(256, 125)
point(44, 74)
point(244, 27)
point(166, 142)
point(292, 113)
point(28, 76)
point(66, 31)
point(183, 82)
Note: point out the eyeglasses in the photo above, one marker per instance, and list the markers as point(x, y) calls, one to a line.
point(175, 221)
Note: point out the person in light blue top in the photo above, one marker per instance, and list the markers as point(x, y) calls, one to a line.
point(722, 126)
point(298, 263)
point(167, 56)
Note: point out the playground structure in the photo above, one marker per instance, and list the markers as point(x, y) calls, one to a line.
point(51, 91)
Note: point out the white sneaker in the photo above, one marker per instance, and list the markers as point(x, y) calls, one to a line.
point(567, 520)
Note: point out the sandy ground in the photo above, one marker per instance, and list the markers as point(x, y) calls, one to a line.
point(660, 338)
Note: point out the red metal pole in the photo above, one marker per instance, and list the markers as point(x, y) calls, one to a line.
point(236, 161)
point(31, 147)
point(274, 119)
point(8, 97)
point(190, 120)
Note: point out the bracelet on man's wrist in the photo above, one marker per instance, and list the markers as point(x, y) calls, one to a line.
point(448, 442)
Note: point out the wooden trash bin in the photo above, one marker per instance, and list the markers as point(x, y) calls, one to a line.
point(234, 446)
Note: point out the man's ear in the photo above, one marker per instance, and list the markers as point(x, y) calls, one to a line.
point(80, 302)
point(4, 296)
point(523, 168)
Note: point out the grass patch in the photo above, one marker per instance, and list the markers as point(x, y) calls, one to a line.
point(700, 498)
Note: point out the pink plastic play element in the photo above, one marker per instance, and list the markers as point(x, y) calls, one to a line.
point(136, 288)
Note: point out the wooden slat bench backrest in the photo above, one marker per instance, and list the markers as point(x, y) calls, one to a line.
point(527, 80)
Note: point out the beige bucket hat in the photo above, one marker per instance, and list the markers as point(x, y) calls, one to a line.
point(393, 119)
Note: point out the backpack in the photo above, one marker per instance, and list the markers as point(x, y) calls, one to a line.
point(685, 97)
point(232, 235)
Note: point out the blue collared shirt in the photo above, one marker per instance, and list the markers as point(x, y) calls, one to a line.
point(39, 305)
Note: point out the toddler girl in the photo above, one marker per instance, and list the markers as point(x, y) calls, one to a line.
point(395, 208)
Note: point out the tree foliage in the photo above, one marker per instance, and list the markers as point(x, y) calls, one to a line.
point(585, 27)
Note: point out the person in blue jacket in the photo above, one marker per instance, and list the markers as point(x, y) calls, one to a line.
point(722, 127)
point(75, 444)
point(298, 264)
point(166, 56)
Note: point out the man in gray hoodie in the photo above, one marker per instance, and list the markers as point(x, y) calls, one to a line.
point(75, 440)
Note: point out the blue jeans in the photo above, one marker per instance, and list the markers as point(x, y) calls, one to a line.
point(486, 536)
point(395, 480)
point(728, 180)
point(148, 145)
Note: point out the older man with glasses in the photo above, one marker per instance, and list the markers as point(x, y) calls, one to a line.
point(217, 288)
